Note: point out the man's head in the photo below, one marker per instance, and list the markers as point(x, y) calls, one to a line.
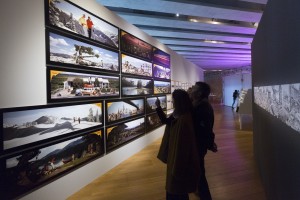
point(200, 90)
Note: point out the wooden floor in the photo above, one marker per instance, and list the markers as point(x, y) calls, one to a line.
point(231, 172)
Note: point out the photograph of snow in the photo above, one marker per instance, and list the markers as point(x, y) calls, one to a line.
point(281, 101)
point(133, 45)
point(162, 87)
point(161, 72)
point(27, 126)
point(131, 65)
point(30, 169)
point(121, 109)
point(79, 54)
point(73, 85)
point(136, 86)
point(152, 122)
point(123, 133)
point(161, 58)
point(150, 103)
point(70, 17)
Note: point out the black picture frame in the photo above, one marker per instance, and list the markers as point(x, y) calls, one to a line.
point(150, 103)
point(123, 109)
point(65, 15)
point(161, 58)
point(24, 127)
point(161, 87)
point(136, 86)
point(135, 46)
point(73, 85)
point(29, 170)
point(135, 66)
point(152, 122)
point(122, 133)
point(161, 72)
point(62, 49)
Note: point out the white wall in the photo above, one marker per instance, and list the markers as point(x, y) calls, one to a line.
point(234, 82)
point(23, 80)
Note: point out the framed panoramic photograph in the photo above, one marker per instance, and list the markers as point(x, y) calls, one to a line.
point(25, 125)
point(67, 16)
point(131, 65)
point(150, 103)
point(135, 46)
point(161, 58)
point(62, 49)
point(152, 122)
point(121, 109)
point(26, 171)
point(66, 85)
point(124, 132)
point(136, 86)
point(161, 72)
point(162, 87)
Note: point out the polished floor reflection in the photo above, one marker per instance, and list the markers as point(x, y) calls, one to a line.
point(232, 173)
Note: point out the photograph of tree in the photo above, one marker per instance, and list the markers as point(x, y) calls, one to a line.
point(136, 86)
point(79, 54)
point(30, 169)
point(131, 65)
point(123, 133)
point(117, 110)
point(135, 46)
point(150, 103)
point(70, 17)
point(74, 85)
point(162, 87)
point(281, 101)
point(161, 58)
point(31, 125)
point(152, 122)
point(161, 72)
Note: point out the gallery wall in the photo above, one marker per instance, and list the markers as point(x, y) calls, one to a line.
point(276, 69)
point(23, 81)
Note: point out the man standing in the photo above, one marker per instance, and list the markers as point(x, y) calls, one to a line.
point(234, 96)
point(90, 24)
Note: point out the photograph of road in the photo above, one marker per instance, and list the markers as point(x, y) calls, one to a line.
point(28, 126)
point(131, 65)
point(281, 101)
point(69, 51)
point(67, 84)
point(122, 109)
point(161, 58)
point(150, 104)
point(28, 170)
point(124, 132)
point(136, 86)
point(64, 15)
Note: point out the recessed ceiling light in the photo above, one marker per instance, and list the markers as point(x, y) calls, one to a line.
point(177, 14)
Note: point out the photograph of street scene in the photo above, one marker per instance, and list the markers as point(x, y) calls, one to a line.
point(78, 54)
point(150, 104)
point(152, 122)
point(136, 86)
point(67, 16)
point(27, 126)
point(281, 101)
point(131, 65)
point(124, 132)
point(161, 72)
point(162, 87)
point(66, 85)
point(28, 170)
point(160, 57)
point(122, 109)
point(135, 46)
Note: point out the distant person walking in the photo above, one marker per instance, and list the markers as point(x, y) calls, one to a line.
point(234, 96)
point(90, 25)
